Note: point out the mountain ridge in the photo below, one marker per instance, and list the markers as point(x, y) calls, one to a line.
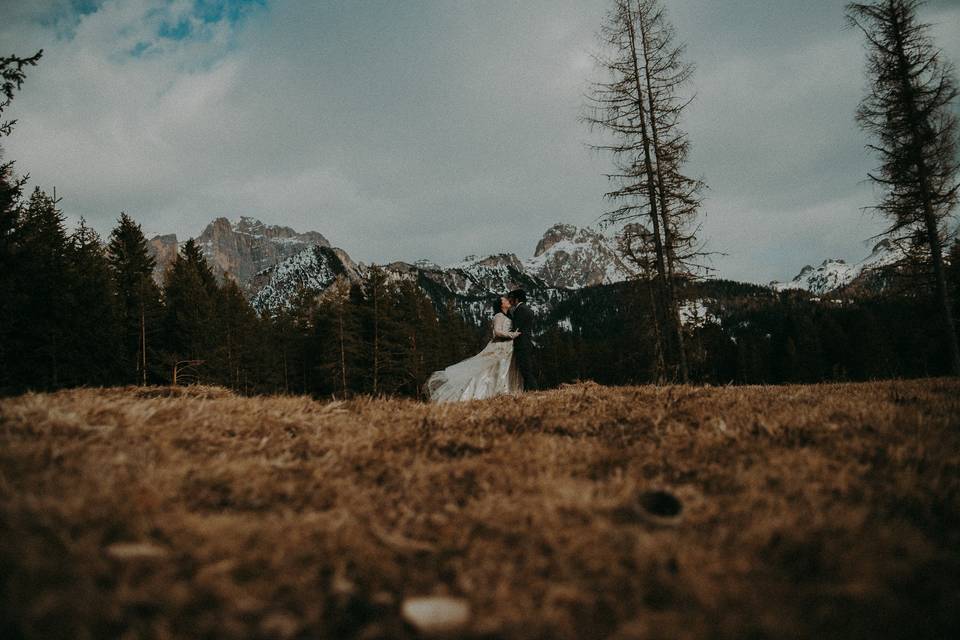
point(834, 274)
point(273, 262)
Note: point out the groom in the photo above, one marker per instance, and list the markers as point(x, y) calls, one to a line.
point(523, 320)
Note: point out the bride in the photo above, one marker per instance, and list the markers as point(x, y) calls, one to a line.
point(491, 372)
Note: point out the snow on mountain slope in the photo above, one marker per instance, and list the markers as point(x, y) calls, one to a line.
point(834, 274)
point(313, 269)
point(566, 258)
point(569, 257)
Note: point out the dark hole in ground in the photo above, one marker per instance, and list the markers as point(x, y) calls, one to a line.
point(661, 503)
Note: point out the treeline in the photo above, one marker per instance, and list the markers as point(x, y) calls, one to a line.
point(78, 312)
point(754, 335)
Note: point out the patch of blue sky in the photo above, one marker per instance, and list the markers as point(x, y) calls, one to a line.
point(139, 49)
point(193, 25)
point(232, 10)
point(64, 17)
point(208, 12)
point(84, 7)
point(175, 31)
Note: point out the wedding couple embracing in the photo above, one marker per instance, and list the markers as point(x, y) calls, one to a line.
point(505, 365)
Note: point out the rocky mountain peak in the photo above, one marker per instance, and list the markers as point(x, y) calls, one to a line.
point(572, 257)
point(243, 248)
point(164, 249)
point(273, 262)
point(251, 226)
point(501, 260)
point(239, 249)
point(557, 233)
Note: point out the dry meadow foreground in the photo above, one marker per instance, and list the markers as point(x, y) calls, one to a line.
point(585, 512)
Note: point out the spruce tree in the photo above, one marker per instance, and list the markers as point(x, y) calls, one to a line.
point(421, 338)
point(188, 308)
point(12, 75)
point(194, 257)
point(237, 328)
point(137, 299)
point(40, 326)
point(383, 334)
point(92, 355)
point(338, 341)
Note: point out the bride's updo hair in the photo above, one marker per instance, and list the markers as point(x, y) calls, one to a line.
point(496, 305)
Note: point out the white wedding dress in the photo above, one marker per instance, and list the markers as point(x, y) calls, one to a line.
point(490, 373)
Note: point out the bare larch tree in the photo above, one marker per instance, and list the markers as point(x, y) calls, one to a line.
point(907, 110)
point(640, 104)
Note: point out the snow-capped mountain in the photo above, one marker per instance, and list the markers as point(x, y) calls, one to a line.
point(239, 249)
point(566, 258)
point(274, 264)
point(835, 274)
point(312, 270)
point(572, 258)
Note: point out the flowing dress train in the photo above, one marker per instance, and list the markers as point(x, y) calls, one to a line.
point(490, 373)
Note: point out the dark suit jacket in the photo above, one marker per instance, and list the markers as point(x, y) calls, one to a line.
point(523, 320)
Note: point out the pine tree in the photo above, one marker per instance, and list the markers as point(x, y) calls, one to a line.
point(908, 111)
point(338, 338)
point(91, 355)
point(237, 328)
point(417, 320)
point(189, 292)
point(953, 278)
point(40, 325)
point(137, 297)
point(12, 75)
point(197, 261)
point(383, 334)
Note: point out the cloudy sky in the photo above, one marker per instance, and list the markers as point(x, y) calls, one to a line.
point(416, 129)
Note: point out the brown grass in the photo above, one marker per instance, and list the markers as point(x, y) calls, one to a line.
point(804, 511)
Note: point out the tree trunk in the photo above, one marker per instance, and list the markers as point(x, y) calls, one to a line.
point(668, 240)
point(376, 339)
point(143, 344)
point(343, 354)
point(658, 337)
point(648, 163)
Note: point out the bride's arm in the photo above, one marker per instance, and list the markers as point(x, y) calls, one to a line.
point(500, 328)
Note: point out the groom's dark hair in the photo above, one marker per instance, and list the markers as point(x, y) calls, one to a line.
point(517, 295)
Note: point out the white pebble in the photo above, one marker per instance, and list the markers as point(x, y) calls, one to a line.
point(436, 615)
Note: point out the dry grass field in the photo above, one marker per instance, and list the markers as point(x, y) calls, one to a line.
point(828, 511)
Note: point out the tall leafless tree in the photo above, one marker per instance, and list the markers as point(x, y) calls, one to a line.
point(908, 111)
point(640, 104)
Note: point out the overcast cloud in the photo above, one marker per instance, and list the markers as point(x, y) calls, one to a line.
point(406, 130)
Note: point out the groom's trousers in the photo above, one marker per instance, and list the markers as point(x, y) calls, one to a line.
point(525, 366)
